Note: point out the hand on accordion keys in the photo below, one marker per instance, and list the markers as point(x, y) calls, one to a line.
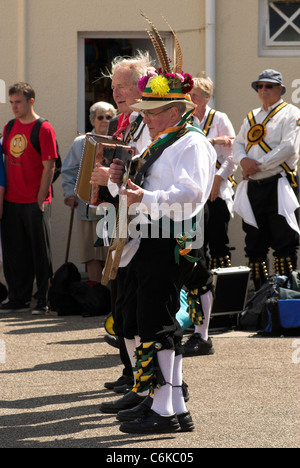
point(116, 171)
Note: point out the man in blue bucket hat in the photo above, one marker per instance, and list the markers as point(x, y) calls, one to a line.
point(267, 149)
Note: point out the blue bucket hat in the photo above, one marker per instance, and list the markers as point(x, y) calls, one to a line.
point(269, 76)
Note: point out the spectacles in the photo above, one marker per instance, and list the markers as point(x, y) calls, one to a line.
point(151, 115)
point(267, 86)
point(101, 117)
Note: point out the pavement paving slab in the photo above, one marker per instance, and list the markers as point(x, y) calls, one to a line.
point(53, 370)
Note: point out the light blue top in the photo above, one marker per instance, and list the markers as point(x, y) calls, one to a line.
point(69, 172)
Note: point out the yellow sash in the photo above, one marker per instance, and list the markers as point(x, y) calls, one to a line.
point(208, 122)
point(257, 133)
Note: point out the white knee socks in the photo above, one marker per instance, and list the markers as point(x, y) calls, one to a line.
point(169, 398)
point(177, 395)
point(162, 400)
point(206, 302)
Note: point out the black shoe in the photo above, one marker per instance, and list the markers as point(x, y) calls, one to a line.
point(112, 341)
point(186, 422)
point(123, 388)
point(41, 308)
point(14, 306)
point(152, 423)
point(196, 346)
point(123, 380)
point(137, 412)
point(128, 401)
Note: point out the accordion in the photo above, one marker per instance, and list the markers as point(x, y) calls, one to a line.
point(102, 150)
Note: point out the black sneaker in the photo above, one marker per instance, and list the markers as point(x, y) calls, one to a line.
point(41, 308)
point(14, 306)
point(197, 346)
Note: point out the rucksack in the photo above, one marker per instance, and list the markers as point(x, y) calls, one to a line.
point(68, 295)
point(251, 315)
point(34, 140)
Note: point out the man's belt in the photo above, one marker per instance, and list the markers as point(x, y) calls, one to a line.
point(265, 181)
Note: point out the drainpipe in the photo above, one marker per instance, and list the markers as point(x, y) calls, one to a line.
point(210, 42)
point(21, 41)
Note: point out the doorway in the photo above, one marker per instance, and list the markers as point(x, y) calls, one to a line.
point(94, 66)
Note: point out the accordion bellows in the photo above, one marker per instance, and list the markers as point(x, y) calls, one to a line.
point(102, 150)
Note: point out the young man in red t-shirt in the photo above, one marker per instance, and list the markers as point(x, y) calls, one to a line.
point(25, 224)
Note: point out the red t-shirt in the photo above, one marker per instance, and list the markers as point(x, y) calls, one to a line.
point(24, 163)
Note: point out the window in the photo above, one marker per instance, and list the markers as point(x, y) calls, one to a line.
point(279, 27)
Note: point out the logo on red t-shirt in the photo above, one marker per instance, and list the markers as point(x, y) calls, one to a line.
point(18, 145)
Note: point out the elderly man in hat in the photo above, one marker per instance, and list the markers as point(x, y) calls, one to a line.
point(169, 193)
point(267, 149)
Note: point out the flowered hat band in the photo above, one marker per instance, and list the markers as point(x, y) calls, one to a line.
point(159, 92)
point(172, 94)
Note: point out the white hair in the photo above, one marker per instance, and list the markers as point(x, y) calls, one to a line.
point(101, 107)
point(139, 64)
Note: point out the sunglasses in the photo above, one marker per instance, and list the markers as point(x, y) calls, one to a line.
point(267, 86)
point(101, 117)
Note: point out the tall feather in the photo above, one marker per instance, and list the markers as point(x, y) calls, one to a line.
point(159, 46)
point(177, 52)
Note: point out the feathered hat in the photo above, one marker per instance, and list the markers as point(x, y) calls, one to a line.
point(168, 84)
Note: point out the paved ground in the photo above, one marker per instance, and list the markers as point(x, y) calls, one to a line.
point(52, 371)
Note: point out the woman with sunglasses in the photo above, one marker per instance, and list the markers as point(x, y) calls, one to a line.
point(267, 149)
point(100, 115)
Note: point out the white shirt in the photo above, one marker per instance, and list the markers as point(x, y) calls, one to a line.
point(283, 136)
point(221, 126)
point(183, 174)
point(177, 185)
point(144, 137)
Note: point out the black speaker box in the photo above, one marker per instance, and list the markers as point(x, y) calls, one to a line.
point(231, 290)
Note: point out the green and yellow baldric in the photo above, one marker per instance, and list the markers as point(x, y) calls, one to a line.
point(134, 126)
point(257, 133)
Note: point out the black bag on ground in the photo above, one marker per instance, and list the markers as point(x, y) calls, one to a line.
point(254, 307)
point(93, 299)
point(68, 295)
point(59, 295)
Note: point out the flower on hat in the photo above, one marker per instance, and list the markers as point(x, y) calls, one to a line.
point(144, 80)
point(188, 83)
point(142, 83)
point(159, 85)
